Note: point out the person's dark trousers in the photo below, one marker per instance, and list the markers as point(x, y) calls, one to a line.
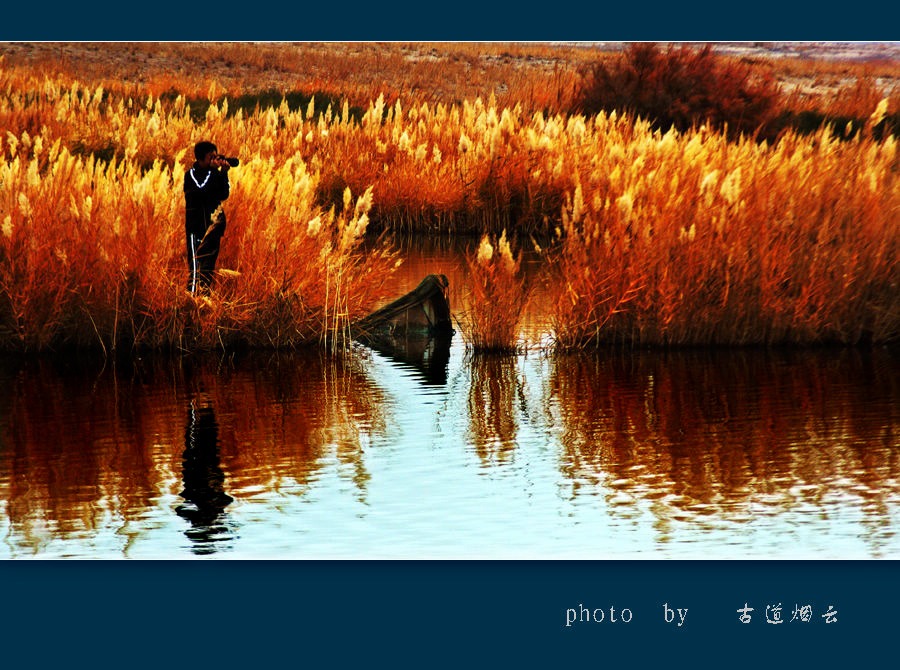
point(201, 255)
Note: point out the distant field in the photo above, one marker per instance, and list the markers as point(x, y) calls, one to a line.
point(540, 73)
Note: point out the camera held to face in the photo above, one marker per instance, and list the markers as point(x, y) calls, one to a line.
point(233, 162)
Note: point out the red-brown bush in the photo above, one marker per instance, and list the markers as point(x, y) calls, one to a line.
point(682, 87)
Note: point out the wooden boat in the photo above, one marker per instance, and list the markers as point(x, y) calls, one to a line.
point(423, 311)
point(415, 329)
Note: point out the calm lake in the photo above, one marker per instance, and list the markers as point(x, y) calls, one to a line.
point(692, 454)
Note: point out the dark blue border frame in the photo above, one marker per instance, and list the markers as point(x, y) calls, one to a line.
point(439, 614)
point(445, 614)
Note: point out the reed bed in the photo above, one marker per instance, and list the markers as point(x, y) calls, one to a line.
point(660, 239)
point(693, 240)
point(497, 296)
point(539, 76)
point(92, 251)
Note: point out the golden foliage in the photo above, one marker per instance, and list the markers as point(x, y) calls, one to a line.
point(91, 251)
point(673, 240)
point(498, 296)
point(662, 239)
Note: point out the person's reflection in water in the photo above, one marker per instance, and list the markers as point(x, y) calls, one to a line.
point(204, 481)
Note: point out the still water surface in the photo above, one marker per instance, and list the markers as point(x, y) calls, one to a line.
point(692, 454)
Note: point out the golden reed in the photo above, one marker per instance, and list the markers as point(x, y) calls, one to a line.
point(497, 296)
point(660, 239)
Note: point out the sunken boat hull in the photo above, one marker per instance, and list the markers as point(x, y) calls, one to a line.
point(415, 329)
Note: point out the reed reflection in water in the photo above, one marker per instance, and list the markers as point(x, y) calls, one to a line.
point(99, 459)
point(793, 443)
point(691, 454)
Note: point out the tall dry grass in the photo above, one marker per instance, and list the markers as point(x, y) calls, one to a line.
point(676, 240)
point(663, 239)
point(92, 252)
point(538, 76)
point(497, 296)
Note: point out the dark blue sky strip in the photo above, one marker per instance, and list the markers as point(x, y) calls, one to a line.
point(464, 20)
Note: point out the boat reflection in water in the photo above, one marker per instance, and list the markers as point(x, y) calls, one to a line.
point(427, 355)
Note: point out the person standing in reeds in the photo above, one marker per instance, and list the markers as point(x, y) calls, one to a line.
point(206, 186)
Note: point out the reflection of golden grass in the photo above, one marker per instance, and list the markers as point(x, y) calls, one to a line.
point(311, 408)
point(279, 421)
point(493, 428)
point(705, 433)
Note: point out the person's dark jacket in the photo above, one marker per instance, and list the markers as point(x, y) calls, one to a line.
point(204, 191)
